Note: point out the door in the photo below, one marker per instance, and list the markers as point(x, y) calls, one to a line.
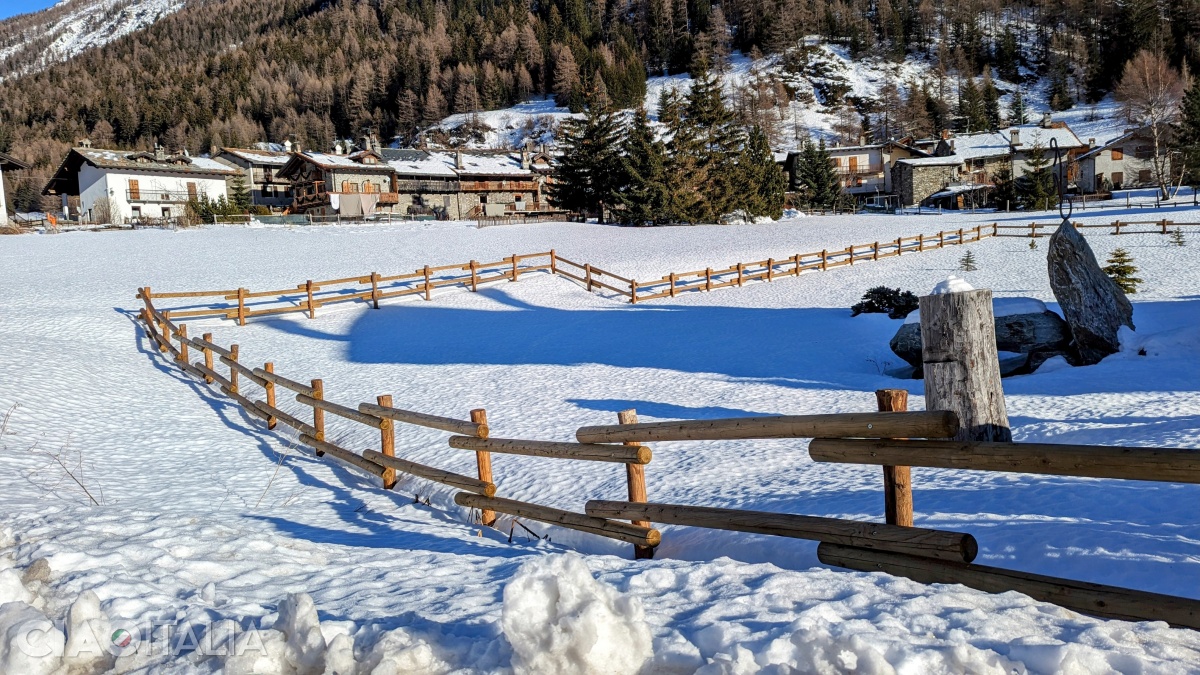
point(853, 165)
point(135, 192)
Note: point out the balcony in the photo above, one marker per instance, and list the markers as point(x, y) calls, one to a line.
point(161, 196)
point(425, 186)
point(499, 186)
point(860, 170)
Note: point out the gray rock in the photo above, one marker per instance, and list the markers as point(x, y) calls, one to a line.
point(1036, 337)
point(1094, 306)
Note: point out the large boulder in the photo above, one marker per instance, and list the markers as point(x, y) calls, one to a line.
point(1094, 306)
point(1026, 335)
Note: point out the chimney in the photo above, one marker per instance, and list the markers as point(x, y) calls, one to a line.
point(458, 161)
point(1016, 137)
point(159, 153)
point(1046, 122)
point(287, 145)
point(951, 145)
point(525, 159)
point(85, 143)
point(338, 148)
point(1091, 142)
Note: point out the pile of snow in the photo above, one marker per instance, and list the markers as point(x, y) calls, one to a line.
point(559, 619)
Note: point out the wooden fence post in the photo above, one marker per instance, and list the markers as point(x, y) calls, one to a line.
point(960, 235)
point(962, 369)
point(875, 252)
point(375, 289)
point(483, 459)
point(208, 357)
point(474, 276)
point(269, 386)
point(824, 260)
point(166, 335)
point(852, 255)
point(312, 309)
point(515, 272)
point(770, 269)
point(899, 245)
point(318, 387)
point(796, 260)
point(897, 480)
point(708, 279)
point(635, 476)
point(241, 306)
point(978, 232)
point(672, 278)
point(233, 373)
point(428, 288)
point(183, 345)
point(739, 271)
point(553, 262)
point(633, 291)
point(942, 239)
point(587, 273)
point(387, 442)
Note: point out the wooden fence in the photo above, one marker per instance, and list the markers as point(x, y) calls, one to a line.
point(1034, 230)
point(241, 304)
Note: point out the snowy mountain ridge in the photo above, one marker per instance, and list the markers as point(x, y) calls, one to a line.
point(31, 42)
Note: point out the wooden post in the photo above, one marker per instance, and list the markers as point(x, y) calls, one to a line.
point(960, 235)
point(241, 306)
point(824, 260)
point(183, 345)
point(1164, 225)
point(708, 279)
point(318, 414)
point(796, 261)
point(770, 269)
point(899, 245)
point(515, 272)
point(587, 273)
point(635, 475)
point(672, 278)
point(633, 291)
point(739, 271)
point(921, 243)
point(897, 480)
point(875, 252)
point(553, 262)
point(312, 309)
point(962, 368)
point(233, 373)
point(269, 386)
point(978, 232)
point(852, 255)
point(474, 276)
point(208, 357)
point(428, 288)
point(941, 239)
point(166, 334)
point(387, 442)
point(483, 459)
point(375, 289)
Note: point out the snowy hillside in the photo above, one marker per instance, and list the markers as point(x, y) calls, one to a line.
point(34, 41)
point(208, 522)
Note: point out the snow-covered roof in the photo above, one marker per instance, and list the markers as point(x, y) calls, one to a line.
point(484, 165)
point(268, 157)
point(334, 161)
point(417, 163)
point(961, 188)
point(146, 161)
point(999, 143)
point(949, 160)
point(1119, 139)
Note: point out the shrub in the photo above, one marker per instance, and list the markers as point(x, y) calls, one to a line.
point(894, 302)
point(1120, 268)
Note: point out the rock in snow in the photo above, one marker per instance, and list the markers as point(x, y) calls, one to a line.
point(1093, 304)
point(559, 619)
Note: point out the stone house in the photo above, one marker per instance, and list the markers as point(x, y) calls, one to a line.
point(1124, 162)
point(119, 186)
point(261, 169)
point(352, 185)
point(916, 179)
point(984, 154)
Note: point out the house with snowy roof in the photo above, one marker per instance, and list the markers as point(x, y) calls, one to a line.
point(261, 166)
point(866, 168)
point(120, 186)
point(1126, 161)
point(355, 184)
point(985, 153)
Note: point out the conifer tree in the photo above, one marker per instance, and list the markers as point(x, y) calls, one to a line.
point(971, 112)
point(590, 168)
point(1176, 238)
point(991, 102)
point(816, 179)
point(1036, 187)
point(718, 143)
point(968, 263)
point(644, 195)
point(1060, 89)
point(1016, 114)
point(685, 174)
point(762, 182)
point(1188, 136)
point(1032, 244)
point(239, 193)
point(1120, 268)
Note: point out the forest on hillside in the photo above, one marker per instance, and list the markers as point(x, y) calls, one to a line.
point(233, 72)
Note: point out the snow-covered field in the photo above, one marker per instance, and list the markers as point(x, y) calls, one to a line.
point(209, 522)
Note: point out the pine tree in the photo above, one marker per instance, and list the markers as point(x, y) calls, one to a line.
point(685, 176)
point(971, 112)
point(1060, 89)
point(1036, 187)
point(1016, 111)
point(967, 263)
point(1120, 268)
point(644, 195)
point(816, 179)
point(589, 171)
point(1032, 244)
point(1004, 192)
point(1008, 56)
point(762, 183)
point(991, 102)
point(718, 142)
point(239, 193)
point(1188, 135)
point(1176, 238)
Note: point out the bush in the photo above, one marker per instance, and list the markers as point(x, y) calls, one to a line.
point(894, 302)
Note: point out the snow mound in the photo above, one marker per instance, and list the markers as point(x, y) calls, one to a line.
point(88, 632)
point(952, 284)
point(1176, 342)
point(1000, 307)
point(559, 619)
point(29, 643)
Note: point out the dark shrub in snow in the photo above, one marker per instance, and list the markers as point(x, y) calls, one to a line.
point(894, 302)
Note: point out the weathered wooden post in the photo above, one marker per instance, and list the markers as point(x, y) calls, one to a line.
point(553, 262)
point(375, 289)
point(897, 480)
point(241, 298)
point(671, 277)
point(233, 373)
point(962, 368)
point(633, 291)
point(960, 236)
point(824, 260)
point(515, 272)
point(183, 344)
point(474, 276)
point(483, 459)
point(635, 475)
point(269, 386)
point(740, 267)
point(875, 251)
point(852, 255)
point(312, 309)
point(770, 269)
point(208, 356)
point(318, 387)
point(587, 273)
point(708, 279)
point(428, 287)
point(899, 245)
point(387, 441)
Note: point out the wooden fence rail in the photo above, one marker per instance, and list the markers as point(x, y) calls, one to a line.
point(1034, 230)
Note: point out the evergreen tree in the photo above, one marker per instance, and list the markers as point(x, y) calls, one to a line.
point(1060, 88)
point(1032, 244)
point(1188, 135)
point(27, 197)
point(644, 195)
point(239, 193)
point(1036, 188)
point(967, 262)
point(589, 171)
point(816, 179)
point(761, 181)
point(1177, 238)
point(718, 144)
point(1016, 113)
point(1004, 194)
point(991, 102)
point(972, 116)
point(1120, 268)
point(1008, 56)
point(685, 175)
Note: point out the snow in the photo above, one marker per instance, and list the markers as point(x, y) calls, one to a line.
point(1000, 306)
point(216, 526)
point(952, 284)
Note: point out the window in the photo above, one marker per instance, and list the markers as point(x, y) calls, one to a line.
point(269, 191)
point(1118, 178)
point(1144, 176)
point(135, 192)
point(369, 187)
point(483, 199)
point(137, 212)
point(166, 212)
point(1118, 154)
